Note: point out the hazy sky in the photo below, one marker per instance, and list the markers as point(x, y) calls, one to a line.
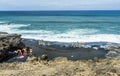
point(59, 4)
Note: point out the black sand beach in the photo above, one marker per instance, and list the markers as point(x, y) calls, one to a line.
point(57, 49)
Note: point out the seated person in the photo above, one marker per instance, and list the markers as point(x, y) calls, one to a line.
point(19, 52)
point(24, 51)
point(31, 51)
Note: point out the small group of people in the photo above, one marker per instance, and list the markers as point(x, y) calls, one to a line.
point(24, 52)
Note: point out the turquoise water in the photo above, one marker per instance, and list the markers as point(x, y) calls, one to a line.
point(75, 26)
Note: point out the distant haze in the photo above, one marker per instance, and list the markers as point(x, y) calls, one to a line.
point(59, 4)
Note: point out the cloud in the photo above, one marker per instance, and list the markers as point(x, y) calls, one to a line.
point(59, 5)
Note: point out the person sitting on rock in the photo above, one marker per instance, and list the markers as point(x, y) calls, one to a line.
point(24, 51)
point(31, 51)
point(19, 52)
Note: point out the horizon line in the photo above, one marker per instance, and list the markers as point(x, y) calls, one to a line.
point(59, 10)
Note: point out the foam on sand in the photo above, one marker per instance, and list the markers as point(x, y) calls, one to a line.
point(84, 38)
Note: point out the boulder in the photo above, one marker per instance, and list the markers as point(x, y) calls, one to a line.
point(87, 46)
point(76, 45)
point(9, 42)
point(43, 43)
point(111, 54)
point(44, 57)
point(113, 50)
point(3, 33)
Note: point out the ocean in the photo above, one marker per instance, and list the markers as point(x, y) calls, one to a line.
point(63, 26)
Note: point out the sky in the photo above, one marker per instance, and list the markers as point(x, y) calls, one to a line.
point(59, 4)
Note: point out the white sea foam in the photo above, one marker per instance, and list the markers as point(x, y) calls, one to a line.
point(36, 32)
point(73, 38)
point(84, 38)
point(82, 31)
point(69, 33)
point(11, 28)
point(77, 35)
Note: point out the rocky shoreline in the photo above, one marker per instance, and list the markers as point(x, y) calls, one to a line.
point(56, 59)
point(10, 42)
point(100, 50)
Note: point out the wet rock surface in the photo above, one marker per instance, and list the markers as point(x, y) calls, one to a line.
point(9, 42)
point(113, 50)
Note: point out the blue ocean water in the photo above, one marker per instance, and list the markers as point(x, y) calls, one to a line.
point(63, 26)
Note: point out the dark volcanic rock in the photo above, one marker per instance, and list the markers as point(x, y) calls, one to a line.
point(9, 42)
point(76, 45)
point(113, 50)
point(3, 33)
point(44, 57)
point(43, 43)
